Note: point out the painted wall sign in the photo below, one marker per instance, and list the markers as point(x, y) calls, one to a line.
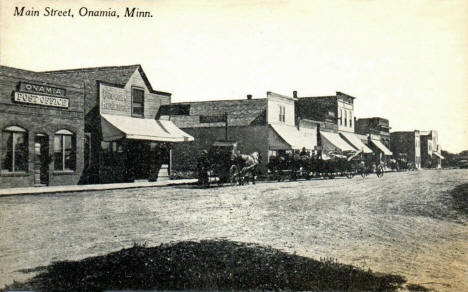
point(31, 98)
point(115, 101)
point(42, 89)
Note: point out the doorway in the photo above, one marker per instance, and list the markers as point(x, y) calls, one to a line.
point(138, 160)
point(41, 159)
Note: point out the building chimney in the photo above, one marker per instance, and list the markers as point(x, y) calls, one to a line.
point(295, 93)
point(249, 96)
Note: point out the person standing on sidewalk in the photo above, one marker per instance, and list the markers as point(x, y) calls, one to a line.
point(202, 168)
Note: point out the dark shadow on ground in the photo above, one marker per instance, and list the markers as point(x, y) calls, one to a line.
point(207, 265)
point(259, 181)
point(451, 205)
point(460, 198)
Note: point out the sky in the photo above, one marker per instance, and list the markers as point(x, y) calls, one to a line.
point(406, 61)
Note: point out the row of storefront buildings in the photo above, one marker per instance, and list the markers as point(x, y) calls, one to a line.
point(108, 124)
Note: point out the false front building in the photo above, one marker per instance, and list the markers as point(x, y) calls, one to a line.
point(126, 142)
point(334, 116)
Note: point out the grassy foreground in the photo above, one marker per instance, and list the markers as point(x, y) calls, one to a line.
point(207, 265)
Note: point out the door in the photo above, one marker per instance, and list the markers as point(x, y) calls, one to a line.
point(41, 159)
point(138, 160)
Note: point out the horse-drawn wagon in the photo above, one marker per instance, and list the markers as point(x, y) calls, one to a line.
point(401, 163)
point(303, 165)
point(224, 163)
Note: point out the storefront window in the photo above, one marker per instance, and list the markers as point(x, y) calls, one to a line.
point(138, 103)
point(14, 149)
point(111, 152)
point(64, 151)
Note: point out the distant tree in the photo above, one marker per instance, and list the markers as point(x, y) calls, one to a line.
point(453, 160)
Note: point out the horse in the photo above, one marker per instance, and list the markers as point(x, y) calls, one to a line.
point(247, 164)
point(394, 165)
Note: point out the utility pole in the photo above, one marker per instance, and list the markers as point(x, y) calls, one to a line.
point(226, 126)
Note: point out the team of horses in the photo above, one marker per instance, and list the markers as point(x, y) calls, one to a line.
point(237, 168)
point(294, 165)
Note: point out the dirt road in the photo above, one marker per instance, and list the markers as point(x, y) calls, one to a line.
point(403, 223)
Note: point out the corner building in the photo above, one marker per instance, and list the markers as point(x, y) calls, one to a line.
point(42, 129)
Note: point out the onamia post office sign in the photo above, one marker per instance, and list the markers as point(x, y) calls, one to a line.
point(41, 95)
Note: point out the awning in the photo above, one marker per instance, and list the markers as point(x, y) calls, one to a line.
point(284, 137)
point(356, 142)
point(382, 147)
point(118, 127)
point(438, 155)
point(333, 141)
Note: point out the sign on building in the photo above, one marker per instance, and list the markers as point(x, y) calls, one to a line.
point(42, 89)
point(30, 98)
point(115, 100)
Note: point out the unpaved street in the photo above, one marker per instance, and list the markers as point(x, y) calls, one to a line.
point(403, 223)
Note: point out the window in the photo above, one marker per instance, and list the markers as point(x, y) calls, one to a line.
point(282, 113)
point(14, 149)
point(64, 151)
point(346, 118)
point(138, 106)
point(111, 152)
point(341, 117)
point(350, 119)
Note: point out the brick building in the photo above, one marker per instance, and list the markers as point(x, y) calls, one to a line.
point(376, 126)
point(336, 110)
point(42, 129)
point(126, 141)
point(377, 131)
point(92, 125)
point(265, 125)
point(407, 143)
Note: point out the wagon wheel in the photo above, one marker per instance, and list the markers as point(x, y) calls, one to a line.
point(234, 175)
point(379, 171)
point(365, 172)
point(350, 174)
